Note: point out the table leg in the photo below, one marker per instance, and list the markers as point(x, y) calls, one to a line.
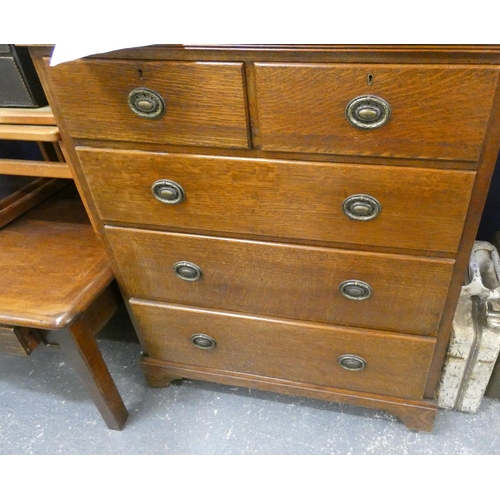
point(78, 344)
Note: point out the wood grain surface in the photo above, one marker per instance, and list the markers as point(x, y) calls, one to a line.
point(27, 116)
point(53, 242)
point(283, 107)
point(288, 281)
point(395, 365)
point(422, 209)
point(17, 341)
point(19, 194)
point(205, 102)
point(436, 111)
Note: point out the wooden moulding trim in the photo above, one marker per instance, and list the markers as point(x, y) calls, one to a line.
point(417, 415)
point(276, 155)
point(432, 54)
point(438, 54)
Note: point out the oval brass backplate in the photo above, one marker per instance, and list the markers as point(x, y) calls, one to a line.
point(168, 192)
point(352, 362)
point(187, 271)
point(361, 207)
point(146, 103)
point(368, 112)
point(203, 341)
point(355, 290)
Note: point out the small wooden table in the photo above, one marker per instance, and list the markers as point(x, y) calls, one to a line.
point(56, 284)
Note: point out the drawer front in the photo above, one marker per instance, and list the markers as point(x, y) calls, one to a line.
point(17, 340)
point(204, 102)
point(420, 208)
point(299, 282)
point(395, 365)
point(435, 111)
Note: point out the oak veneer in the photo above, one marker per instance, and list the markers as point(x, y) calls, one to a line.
point(294, 200)
point(30, 244)
point(445, 119)
point(308, 352)
point(288, 281)
point(436, 111)
point(205, 102)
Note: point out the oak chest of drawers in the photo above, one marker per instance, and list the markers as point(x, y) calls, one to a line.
point(288, 218)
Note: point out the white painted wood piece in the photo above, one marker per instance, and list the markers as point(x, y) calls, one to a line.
point(475, 339)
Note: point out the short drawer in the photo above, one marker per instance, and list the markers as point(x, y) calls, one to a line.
point(16, 340)
point(421, 209)
point(370, 290)
point(435, 111)
point(204, 103)
point(359, 360)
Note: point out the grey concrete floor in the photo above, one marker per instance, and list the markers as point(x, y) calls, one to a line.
point(45, 411)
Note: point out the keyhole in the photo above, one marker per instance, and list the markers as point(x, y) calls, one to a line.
point(369, 79)
point(140, 73)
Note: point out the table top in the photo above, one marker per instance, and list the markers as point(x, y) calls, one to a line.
point(52, 264)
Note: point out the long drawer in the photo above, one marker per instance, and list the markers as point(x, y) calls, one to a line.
point(367, 361)
point(409, 208)
point(189, 103)
point(433, 111)
point(362, 289)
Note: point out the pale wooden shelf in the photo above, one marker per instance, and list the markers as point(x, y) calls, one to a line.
point(27, 116)
point(35, 168)
point(37, 125)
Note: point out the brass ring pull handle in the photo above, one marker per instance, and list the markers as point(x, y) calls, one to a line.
point(203, 341)
point(355, 290)
point(168, 192)
point(352, 362)
point(361, 207)
point(187, 271)
point(146, 103)
point(368, 112)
